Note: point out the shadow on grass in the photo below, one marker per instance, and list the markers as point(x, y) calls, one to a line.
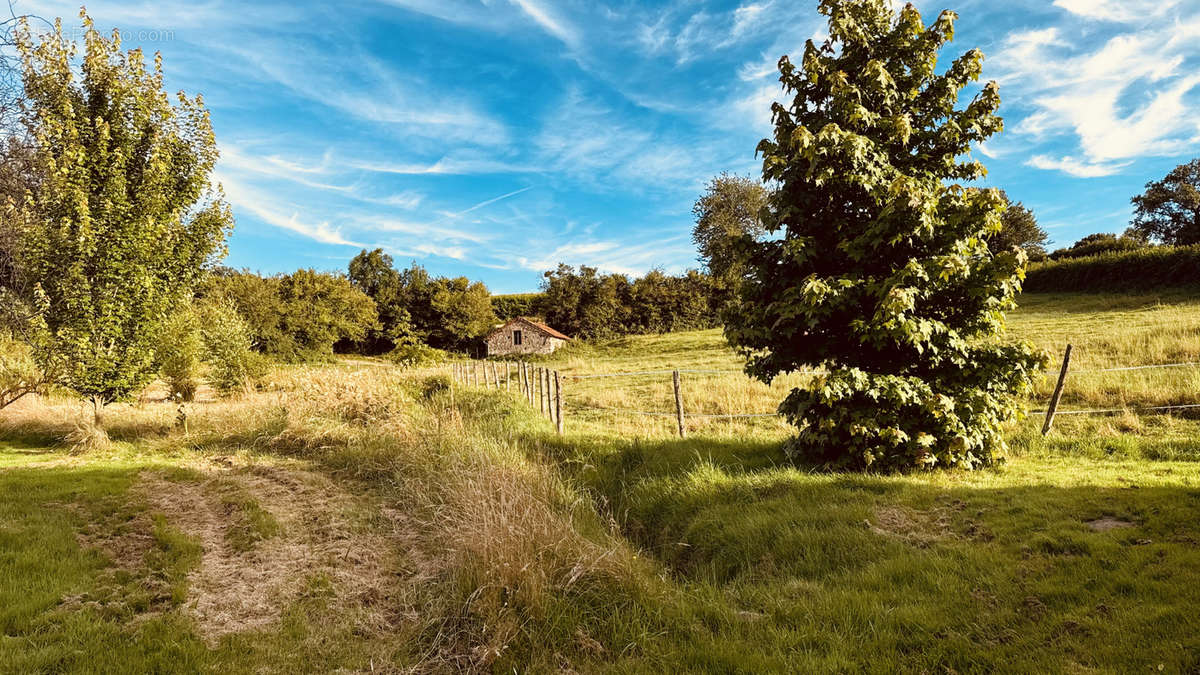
point(1019, 567)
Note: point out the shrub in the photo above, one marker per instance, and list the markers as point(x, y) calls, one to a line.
point(1094, 244)
point(227, 347)
point(180, 348)
point(1137, 270)
point(415, 355)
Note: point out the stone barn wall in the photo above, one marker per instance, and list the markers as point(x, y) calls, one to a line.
point(533, 341)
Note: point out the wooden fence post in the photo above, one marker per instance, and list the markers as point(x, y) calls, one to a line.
point(529, 383)
point(1058, 390)
point(558, 421)
point(678, 404)
point(524, 380)
point(541, 391)
point(507, 376)
point(546, 387)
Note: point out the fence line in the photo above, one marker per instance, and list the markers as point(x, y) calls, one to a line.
point(1187, 364)
point(542, 388)
point(1107, 411)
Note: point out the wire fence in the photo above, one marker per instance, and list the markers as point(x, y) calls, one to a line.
point(543, 388)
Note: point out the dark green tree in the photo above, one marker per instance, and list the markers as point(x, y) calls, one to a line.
point(320, 310)
point(878, 272)
point(1169, 210)
point(375, 274)
point(257, 300)
point(586, 304)
point(1101, 242)
point(446, 313)
point(514, 305)
point(1019, 228)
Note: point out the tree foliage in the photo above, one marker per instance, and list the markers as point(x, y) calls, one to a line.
point(374, 274)
point(1168, 211)
point(320, 310)
point(123, 219)
point(512, 306)
point(1019, 229)
point(586, 303)
point(446, 313)
point(298, 316)
point(879, 272)
point(1101, 242)
point(180, 349)
point(227, 340)
point(728, 210)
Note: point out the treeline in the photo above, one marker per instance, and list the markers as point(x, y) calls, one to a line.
point(1140, 269)
point(588, 304)
point(374, 309)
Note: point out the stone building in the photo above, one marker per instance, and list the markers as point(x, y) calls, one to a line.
point(523, 335)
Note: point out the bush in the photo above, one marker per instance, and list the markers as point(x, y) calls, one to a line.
point(298, 316)
point(416, 355)
point(180, 348)
point(227, 347)
point(1136, 270)
point(1094, 244)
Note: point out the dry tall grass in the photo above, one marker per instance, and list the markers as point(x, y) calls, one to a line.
point(495, 539)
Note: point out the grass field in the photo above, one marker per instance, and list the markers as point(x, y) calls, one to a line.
point(356, 517)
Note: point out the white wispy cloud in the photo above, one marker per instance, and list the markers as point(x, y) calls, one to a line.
point(1134, 95)
point(459, 164)
point(235, 159)
point(1123, 11)
point(555, 25)
point(614, 256)
point(247, 199)
point(1074, 166)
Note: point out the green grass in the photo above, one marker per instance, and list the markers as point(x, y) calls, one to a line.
point(66, 605)
point(621, 548)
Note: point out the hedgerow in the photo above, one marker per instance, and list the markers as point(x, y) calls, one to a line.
point(1143, 269)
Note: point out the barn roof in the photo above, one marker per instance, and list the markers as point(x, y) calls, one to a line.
point(538, 325)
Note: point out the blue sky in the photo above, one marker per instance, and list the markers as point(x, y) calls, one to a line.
point(496, 138)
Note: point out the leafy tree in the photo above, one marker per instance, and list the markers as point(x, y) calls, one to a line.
point(512, 306)
point(124, 219)
point(465, 308)
point(374, 274)
point(879, 272)
point(659, 303)
point(446, 313)
point(729, 209)
point(227, 342)
point(1019, 228)
point(321, 309)
point(586, 304)
point(29, 360)
point(1169, 210)
point(180, 348)
point(257, 300)
point(1102, 242)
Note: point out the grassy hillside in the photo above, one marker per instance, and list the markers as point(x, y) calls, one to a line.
point(362, 518)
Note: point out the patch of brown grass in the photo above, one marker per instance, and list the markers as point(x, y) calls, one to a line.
point(919, 528)
point(235, 590)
